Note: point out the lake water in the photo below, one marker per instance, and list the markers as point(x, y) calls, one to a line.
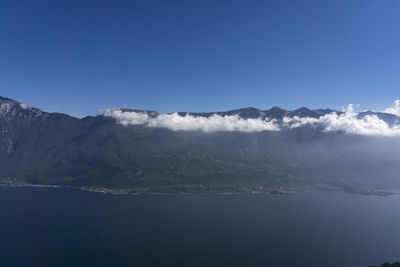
point(54, 226)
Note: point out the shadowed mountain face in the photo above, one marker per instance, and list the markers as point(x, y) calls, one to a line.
point(51, 148)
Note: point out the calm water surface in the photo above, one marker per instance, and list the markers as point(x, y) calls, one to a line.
point(53, 226)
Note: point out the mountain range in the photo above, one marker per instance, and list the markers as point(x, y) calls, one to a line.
point(306, 150)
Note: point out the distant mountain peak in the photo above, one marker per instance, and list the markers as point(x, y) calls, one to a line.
point(250, 108)
point(276, 108)
point(303, 109)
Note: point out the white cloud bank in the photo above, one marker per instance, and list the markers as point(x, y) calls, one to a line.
point(347, 122)
point(188, 122)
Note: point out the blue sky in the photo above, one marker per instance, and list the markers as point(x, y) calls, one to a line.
point(81, 56)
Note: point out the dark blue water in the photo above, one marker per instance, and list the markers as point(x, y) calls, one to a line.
point(50, 226)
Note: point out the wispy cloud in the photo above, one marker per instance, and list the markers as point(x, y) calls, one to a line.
point(395, 110)
point(348, 121)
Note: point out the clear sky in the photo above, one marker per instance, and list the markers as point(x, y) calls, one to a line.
point(81, 56)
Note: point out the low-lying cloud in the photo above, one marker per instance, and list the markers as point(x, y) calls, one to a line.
point(189, 122)
point(348, 121)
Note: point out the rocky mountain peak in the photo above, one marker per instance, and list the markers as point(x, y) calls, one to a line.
point(10, 109)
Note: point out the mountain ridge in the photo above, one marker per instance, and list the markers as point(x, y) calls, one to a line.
point(43, 148)
point(249, 112)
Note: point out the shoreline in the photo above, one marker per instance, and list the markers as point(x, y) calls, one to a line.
point(142, 191)
point(109, 191)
